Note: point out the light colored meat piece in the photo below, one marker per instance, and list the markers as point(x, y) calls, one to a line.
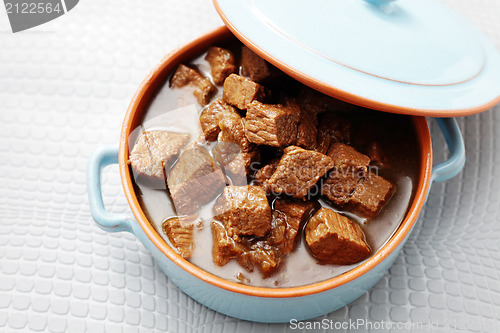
point(370, 196)
point(186, 76)
point(224, 248)
point(273, 125)
point(155, 150)
point(336, 239)
point(244, 210)
point(180, 233)
point(240, 91)
point(222, 63)
point(212, 115)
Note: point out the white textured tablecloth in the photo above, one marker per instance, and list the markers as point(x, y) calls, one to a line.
point(64, 89)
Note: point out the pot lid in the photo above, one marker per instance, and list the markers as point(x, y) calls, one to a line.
point(405, 56)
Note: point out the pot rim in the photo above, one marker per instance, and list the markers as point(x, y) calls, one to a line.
point(141, 99)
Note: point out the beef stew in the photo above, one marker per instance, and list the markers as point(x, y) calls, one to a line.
point(277, 186)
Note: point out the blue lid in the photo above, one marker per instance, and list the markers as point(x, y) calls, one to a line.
point(406, 56)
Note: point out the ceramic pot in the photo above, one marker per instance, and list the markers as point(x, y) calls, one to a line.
point(238, 300)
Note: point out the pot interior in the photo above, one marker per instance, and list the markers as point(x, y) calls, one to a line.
point(149, 111)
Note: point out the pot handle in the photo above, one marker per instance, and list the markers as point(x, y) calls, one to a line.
point(102, 157)
point(455, 142)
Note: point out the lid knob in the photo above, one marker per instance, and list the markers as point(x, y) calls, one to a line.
point(379, 2)
point(383, 5)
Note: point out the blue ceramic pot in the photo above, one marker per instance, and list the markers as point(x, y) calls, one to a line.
point(242, 301)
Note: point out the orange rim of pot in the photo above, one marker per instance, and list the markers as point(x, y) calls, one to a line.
point(138, 105)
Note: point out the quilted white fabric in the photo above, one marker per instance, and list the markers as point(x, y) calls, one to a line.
point(64, 89)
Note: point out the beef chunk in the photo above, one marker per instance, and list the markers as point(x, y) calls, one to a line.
point(212, 115)
point(276, 236)
point(336, 239)
point(222, 62)
point(232, 130)
point(265, 173)
point(345, 156)
point(298, 171)
point(332, 128)
point(194, 180)
point(180, 233)
point(307, 130)
point(350, 166)
point(244, 210)
point(272, 125)
point(155, 150)
point(186, 76)
point(224, 247)
point(240, 92)
point(266, 259)
point(233, 150)
point(254, 66)
point(370, 195)
point(288, 218)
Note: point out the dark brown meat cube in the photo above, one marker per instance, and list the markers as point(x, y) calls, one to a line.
point(224, 247)
point(336, 239)
point(212, 115)
point(307, 131)
point(307, 128)
point(244, 210)
point(370, 195)
point(186, 76)
point(298, 171)
point(345, 156)
point(233, 150)
point(272, 125)
point(232, 130)
point(288, 218)
point(194, 180)
point(180, 233)
point(350, 166)
point(267, 260)
point(376, 153)
point(254, 66)
point(265, 173)
point(240, 92)
point(222, 62)
point(155, 150)
point(332, 128)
